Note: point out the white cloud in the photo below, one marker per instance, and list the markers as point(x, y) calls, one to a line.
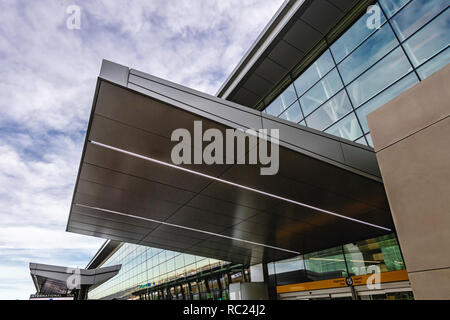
point(48, 76)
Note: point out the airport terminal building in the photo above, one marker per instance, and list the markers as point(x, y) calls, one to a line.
point(359, 91)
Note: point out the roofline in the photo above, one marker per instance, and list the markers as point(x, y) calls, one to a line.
point(108, 248)
point(265, 38)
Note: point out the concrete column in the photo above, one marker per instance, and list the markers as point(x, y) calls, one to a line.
point(411, 135)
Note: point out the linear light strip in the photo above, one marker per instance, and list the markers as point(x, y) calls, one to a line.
point(236, 185)
point(186, 228)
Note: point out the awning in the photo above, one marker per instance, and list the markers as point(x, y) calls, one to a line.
point(55, 280)
point(327, 192)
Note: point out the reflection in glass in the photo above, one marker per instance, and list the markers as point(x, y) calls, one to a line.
point(430, 40)
point(381, 75)
point(316, 71)
point(293, 114)
point(369, 140)
point(378, 45)
point(354, 36)
point(414, 15)
point(282, 102)
point(362, 141)
point(392, 6)
point(326, 264)
point(434, 64)
point(384, 97)
point(330, 112)
point(347, 128)
point(321, 92)
point(379, 254)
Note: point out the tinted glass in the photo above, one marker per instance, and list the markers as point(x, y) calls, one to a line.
point(361, 140)
point(282, 102)
point(434, 64)
point(415, 15)
point(330, 112)
point(321, 92)
point(293, 113)
point(376, 255)
point(385, 97)
point(315, 72)
point(326, 264)
point(392, 6)
point(347, 128)
point(372, 50)
point(380, 76)
point(430, 40)
point(355, 35)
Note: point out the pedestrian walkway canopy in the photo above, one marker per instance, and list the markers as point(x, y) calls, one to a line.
point(52, 280)
point(328, 191)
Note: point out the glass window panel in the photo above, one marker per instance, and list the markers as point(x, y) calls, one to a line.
point(392, 6)
point(414, 15)
point(380, 254)
point(330, 112)
point(321, 92)
point(282, 102)
point(369, 140)
point(314, 72)
point(430, 40)
point(362, 140)
point(434, 64)
point(384, 97)
point(347, 128)
point(381, 75)
point(354, 36)
point(303, 123)
point(326, 264)
point(293, 114)
point(289, 265)
point(378, 45)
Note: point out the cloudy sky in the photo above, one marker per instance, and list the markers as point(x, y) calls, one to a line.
point(47, 81)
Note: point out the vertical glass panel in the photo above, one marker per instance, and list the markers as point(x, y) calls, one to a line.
point(384, 97)
point(369, 140)
point(434, 64)
point(303, 123)
point(330, 112)
point(378, 45)
point(430, 40)
point(375, 255)
point(321, 92)
point(293, 114)
point(354, 36)
point(347, 128)
point(392, 6)
point(414, 15)
point(326, 264)
point(314, 72)
point(282, 102)
point(380, 76)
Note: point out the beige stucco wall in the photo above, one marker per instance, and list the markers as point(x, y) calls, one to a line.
point(411, 135)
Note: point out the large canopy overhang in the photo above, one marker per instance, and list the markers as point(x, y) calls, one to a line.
point(327, 192)
point(53, 280)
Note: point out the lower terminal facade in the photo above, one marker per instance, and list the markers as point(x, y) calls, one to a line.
point(155, 274)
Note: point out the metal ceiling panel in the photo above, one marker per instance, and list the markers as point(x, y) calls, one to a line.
point(327, 191)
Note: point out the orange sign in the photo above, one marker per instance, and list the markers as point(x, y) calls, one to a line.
point(390, 276)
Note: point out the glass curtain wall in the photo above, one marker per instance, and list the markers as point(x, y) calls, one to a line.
point(376, 255)
point(367, 67)
point(142, 266)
